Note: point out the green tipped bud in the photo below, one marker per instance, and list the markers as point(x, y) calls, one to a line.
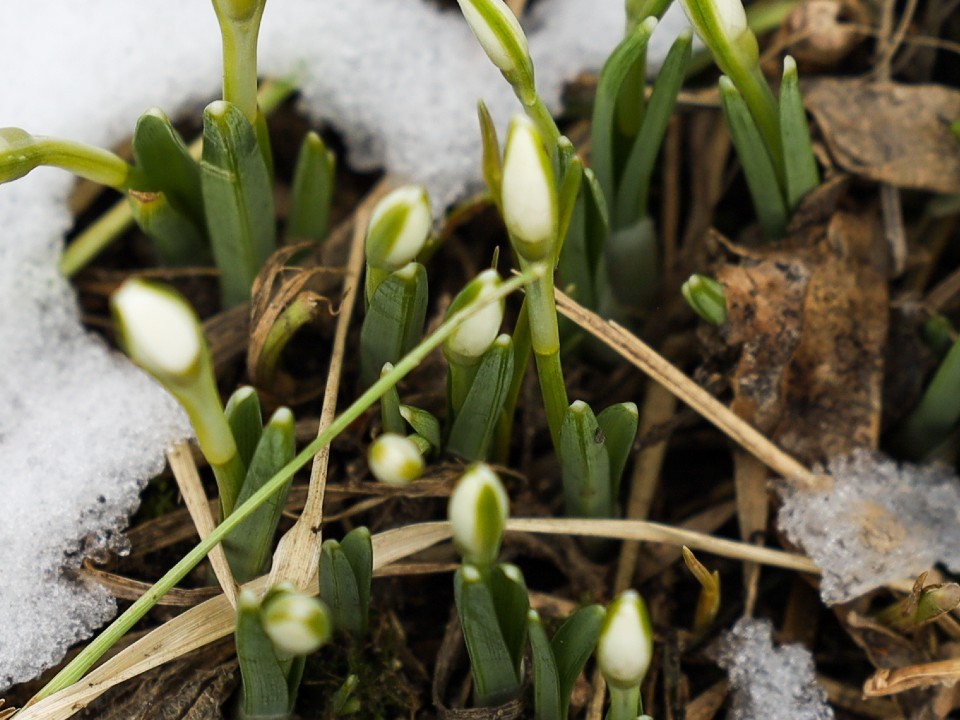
point(476, 334)
point(529, 193)
point(707, 298)
point(625, 647)
point(399, 228)
point(501, 37)
point(722, 24)
point(394, 459)
point(478, 512)
point(21, 152)
point(161, 333)
point(295, 622)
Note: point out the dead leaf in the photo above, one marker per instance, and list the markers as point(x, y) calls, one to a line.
point(888, 132)
point(890, 682)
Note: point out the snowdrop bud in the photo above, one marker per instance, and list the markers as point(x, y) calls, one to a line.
point(477, 333)
point(720, 22)
point(395, 459)
point(399, 228)
point(529, 193)
point(501, 37)
point(297, 623)
point(478, 512)
point(161, 333)
point(625, 647)
point(707, 298)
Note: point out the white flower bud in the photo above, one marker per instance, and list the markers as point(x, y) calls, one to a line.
point(474, 337)
point(399, 228)
point(625, 647)
point(499, 33)
point(394, 459)
point(296, 623)
point(528, 192)
point(478, 511)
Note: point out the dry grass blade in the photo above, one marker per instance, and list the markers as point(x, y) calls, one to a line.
point(668, 375)
point(889, 682)
point(298, 552)
point(188, 480)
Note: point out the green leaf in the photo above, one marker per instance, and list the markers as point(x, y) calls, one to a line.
point(339, 589)
point(248, 547)
point(312, 192)
point(633, 266)
point(616, 70)
point(634, 186)
point(761, 176)
point(473, 428)
point(567, 197)
point(177, 239)
point(572, 646)
point(494, 676)
point(358, 548)
point(619, 425)
point(265, 688)
point(585, 239)
point(246, 422)
point(548, 703)
point(160, 152)
point(238, 197)
point(492, 162)
point(512, 602)
point(938, 412)
point(394, 320)
point(390, 407)
point(798, 158)
point(424, 423)
point(584, 464)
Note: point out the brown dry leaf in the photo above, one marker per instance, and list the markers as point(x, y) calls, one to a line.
point(811, 315)
point(887, 132)
point(890, 682)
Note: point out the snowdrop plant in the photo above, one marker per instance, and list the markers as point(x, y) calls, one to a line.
point(273, 638)
point(624, 652)
point(346, 573)
point(706, 297)
point(491, 597)
point(396, 459)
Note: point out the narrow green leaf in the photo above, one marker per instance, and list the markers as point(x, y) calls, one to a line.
point(585, 239)
point(567, 199)
point(394, 320)
point(265, 689)
point(633, 266)
point(160, 151)
point(798, 158)
point(473, 428)
point(177, 239)
point(619, 425)
point(339, 589)
point(358, 548)
point(248, 547)
point(390, 407)
point(424, 423)
point(312, 192)
point(634, 186)
point(492, 162)
point(494, 676)
point(938, 412)
point(625, 56)
point(246, 421)
point(548, 703)
point(572, 646)
point(584, 464)
point(761, 176)
point(512, 602)
point(238, 197)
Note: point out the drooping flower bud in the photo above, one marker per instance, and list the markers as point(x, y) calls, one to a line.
point(625, 647)
point(499, 33)
point(297, 623)
point(529, 193)
point(476, 334)
point(478, 512)
point(395, 459)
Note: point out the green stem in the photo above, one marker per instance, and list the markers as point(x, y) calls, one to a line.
point(624, 704)
point(521, 357)
point(764, 110)
point(547, 126)
point(240, 65)
point(461, 380)
point(78, 667)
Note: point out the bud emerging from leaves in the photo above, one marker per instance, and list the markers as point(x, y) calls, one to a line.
point(501, 37)
point(395, 459)
point(707, 298)
point(722, 25)
point(399, 228)
point(625, 647)
point(478, 511)
point(529, 193)
point(476, 334)
point(297, 623)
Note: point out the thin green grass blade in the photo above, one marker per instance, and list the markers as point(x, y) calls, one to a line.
point(572, 646)
point(798, 158)
point(761, 177)
point(938, 412)
point(238, 197)
point(634, 186)
point(567, 199)
point(473, 428)
point(358, 549)
point(312, 192)
point(512, 602)
point(246, 421)
point(424, 423)
point(494, 677)
point(394, 320)
point(339, 589)
point(265, 690)
point(177, 239)
point(547, 700)
point(162, 154)
point(248, 547)
point(584, 464)
point(619, 425)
